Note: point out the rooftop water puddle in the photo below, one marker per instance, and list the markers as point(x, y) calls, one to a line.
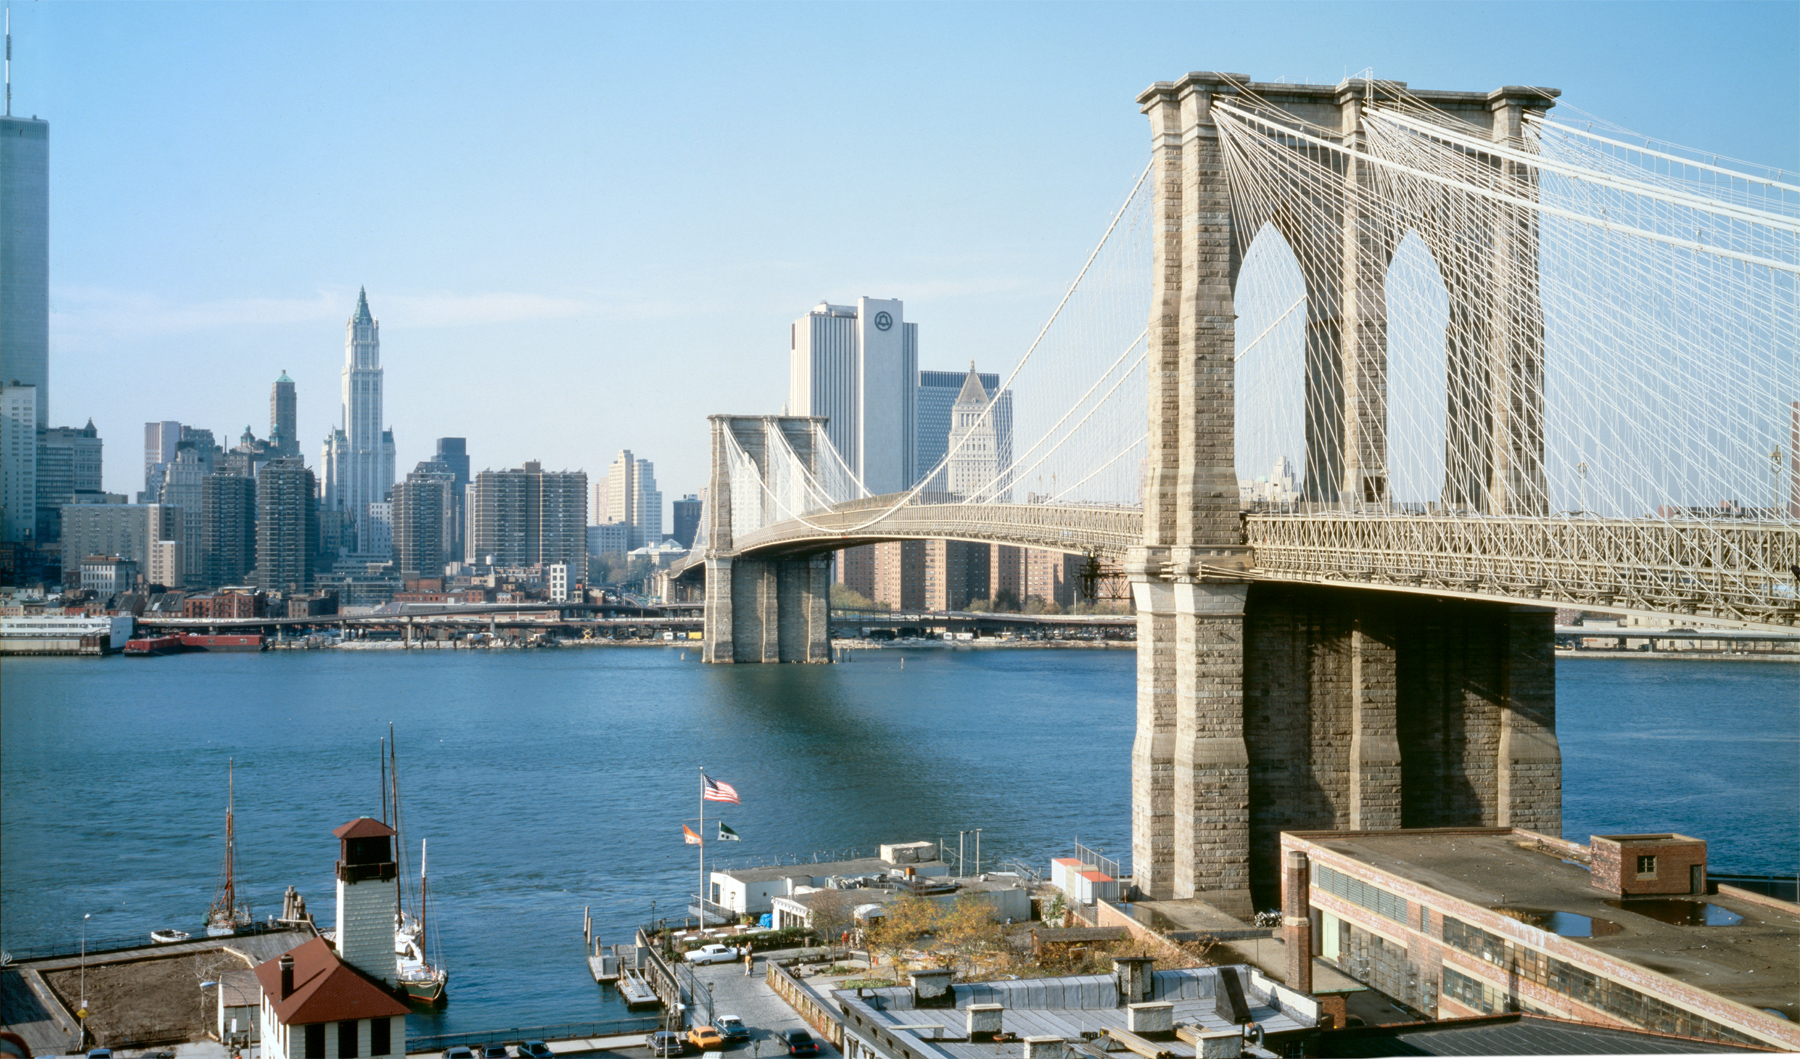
point(1680, 912)
point(1562, 924)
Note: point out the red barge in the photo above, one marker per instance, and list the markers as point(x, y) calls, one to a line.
point(149, 646)
point(222, 641)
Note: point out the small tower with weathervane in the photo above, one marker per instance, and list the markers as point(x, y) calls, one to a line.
point(367, 901)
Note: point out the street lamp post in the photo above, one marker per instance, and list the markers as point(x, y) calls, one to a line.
point(82, 1014)
point(978, 846)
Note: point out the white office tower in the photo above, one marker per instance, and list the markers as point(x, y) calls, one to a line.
point(18, 463)
point(368, 905)
point(858, 365)
point(974, 451)
point(633, 500)
point(358, 461)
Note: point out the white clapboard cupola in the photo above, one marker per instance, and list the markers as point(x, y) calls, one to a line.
point(367, 900)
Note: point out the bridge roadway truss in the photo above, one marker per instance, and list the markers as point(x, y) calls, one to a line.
point(1346, 665)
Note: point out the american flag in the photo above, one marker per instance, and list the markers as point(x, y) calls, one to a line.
point(717, 791)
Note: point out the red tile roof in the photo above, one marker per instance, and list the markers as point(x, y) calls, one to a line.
point(326, 989)
point(364, 827)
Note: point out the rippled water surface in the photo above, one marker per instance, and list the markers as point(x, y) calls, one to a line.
point(553, 780)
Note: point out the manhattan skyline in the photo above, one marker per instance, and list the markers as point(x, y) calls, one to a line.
point(620, 210)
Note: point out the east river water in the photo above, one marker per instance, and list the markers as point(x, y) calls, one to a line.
point(547, 781)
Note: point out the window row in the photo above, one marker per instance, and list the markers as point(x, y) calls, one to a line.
point(1360, 893)
point(381, 1041)
point(1586, 987)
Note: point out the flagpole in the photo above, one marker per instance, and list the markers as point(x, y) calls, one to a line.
point(700, 894)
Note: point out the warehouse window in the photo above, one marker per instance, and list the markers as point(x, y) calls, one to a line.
point(1646, 867)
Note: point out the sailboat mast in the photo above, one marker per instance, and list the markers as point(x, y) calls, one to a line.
point(423, 920)
point(384, 782)
point(392, 762)
point(230, 837)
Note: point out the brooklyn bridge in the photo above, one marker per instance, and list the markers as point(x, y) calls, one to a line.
point(1519, 362)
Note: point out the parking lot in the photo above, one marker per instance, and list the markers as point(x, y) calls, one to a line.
point(762, 1010)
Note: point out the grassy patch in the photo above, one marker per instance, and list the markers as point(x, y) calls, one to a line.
point(867, 983)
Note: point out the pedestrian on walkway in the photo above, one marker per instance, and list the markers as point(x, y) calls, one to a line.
point(749, 961)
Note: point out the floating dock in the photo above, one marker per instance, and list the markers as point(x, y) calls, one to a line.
point(636, 990)
point(609, 961)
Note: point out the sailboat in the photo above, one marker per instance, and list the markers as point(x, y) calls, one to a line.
point(226, 917)
point(422, 980)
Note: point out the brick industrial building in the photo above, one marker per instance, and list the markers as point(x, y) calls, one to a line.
point(1625, 932)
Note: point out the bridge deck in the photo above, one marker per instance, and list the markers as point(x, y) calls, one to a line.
point(1733, 571)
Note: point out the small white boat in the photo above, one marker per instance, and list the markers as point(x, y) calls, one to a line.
point(169, 937)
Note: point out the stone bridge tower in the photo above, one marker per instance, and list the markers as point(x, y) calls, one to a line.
point(773, 609)
point(1265, 707)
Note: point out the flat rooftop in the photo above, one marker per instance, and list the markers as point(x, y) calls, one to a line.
point(1755, 962)
point(860, 866)
point(1068, 1007)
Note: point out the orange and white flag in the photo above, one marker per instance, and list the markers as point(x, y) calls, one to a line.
point(689, 835)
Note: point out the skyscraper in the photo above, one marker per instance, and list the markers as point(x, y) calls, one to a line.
point(425, 520)
point(972, 444)
point(686, 519)
point(283, 410)
point(183, 482)
point(228, 520)
point(453, 453)
point(858, 364)
point(527, 516)
point(938, 391)
point(633, 499)
point(160, 440)
point(18, 463)
point(358, 461)
point(25, 258)
point(68, 462)
point(286, 525)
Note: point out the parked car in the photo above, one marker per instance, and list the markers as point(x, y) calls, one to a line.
point(99, 1053)
point(664, 1043)
point(799, 1042)
point(732, 1029)
point(714, 953)
point(534, 1050)
point(491, 1051)
point(458, 1051)
point(704, 1037)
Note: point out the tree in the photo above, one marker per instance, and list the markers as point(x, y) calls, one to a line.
point(979, 606)
point(904, 921)
point(843, 597)
point(833, 914)
point(967, 929)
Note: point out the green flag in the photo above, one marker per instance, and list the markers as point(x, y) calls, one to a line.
point(726, 834)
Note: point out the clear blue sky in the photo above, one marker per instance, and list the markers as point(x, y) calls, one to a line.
point(586, 226)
